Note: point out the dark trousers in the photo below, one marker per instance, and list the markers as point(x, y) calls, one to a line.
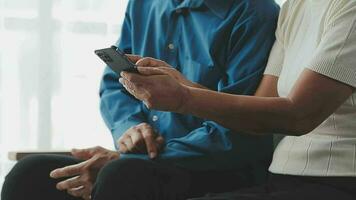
point(125, 179)
point(284, 187)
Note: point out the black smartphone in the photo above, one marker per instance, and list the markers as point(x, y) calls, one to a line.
point(116, 60)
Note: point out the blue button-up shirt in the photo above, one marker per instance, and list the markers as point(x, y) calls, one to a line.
point(220, 44)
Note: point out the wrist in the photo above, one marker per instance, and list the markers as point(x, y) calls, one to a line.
point(189, 83)
point(185, 99)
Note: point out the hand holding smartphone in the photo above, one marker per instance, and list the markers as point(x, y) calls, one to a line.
point(116, 60)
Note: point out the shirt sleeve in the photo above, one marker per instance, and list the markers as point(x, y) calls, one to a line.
point(275, 61)
point(276, 56)
point(335, 55)
point(119, 109)
point(251, 42)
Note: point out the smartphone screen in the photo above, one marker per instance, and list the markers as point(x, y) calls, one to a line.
point(116, 60)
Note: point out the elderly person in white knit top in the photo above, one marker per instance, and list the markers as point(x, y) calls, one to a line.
point(307, 93)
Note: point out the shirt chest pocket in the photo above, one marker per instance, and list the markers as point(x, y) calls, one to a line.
point(202, 73)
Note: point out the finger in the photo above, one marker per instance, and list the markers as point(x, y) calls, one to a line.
point(81, 192)
point(127, 84)
point(132, 77)
point(125, 144)
point(160, 142)
point(132, 88)
point(76, 192)
point(150, 71)
point(169, 71)
point(129, 144)
point(70, 183)
point(87, 197)
point(150, 62)
point(134, 58)
point(137, 141)
point(84, 154)
point(68, 171)
point(122, 146)
point(151, 147)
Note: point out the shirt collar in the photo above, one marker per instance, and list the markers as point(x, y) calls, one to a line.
point(219, 7)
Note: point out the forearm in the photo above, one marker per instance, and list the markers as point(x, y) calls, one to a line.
point(118, 108)
point(197, 85)
point(255, 115)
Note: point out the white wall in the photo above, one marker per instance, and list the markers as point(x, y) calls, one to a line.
point(49, 75)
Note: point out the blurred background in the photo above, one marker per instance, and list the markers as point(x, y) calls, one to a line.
point(49, 75)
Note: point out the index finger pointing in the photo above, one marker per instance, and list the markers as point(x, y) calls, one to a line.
point(149, 137)
point(68, 171)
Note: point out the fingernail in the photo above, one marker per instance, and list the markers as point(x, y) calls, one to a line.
point(122, 74)
point(52, 174)
point(152, 155)
point(121, 80)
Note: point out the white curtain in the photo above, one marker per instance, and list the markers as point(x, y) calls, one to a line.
point(49, 75)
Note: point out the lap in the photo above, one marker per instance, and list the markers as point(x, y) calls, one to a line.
point(194, 182)
point(31, 175)
point(29, 179)
point(292, 188)
point(162, 181)
point(41, 165)
point(140, 179)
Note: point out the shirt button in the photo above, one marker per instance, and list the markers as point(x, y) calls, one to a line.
point(171, 46)
point(154, 118)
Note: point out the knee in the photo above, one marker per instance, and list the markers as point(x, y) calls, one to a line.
point(33, 170)
point(119, 170)
point(29, 166)
point(22, 176)
point(40, 164)
point(119, 179)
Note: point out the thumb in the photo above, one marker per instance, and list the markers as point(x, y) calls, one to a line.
point(149, 71)
point(134, 58)
point(83, 154)
point(160, 142)
point(150, 62)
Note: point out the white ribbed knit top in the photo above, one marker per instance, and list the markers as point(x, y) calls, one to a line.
point(319, 35)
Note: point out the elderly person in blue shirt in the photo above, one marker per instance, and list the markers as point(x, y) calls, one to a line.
point(220, 45)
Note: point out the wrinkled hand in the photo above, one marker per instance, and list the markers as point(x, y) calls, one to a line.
point(141, 139)
point(164, 67)
point(156, 89)
point(82, 176)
